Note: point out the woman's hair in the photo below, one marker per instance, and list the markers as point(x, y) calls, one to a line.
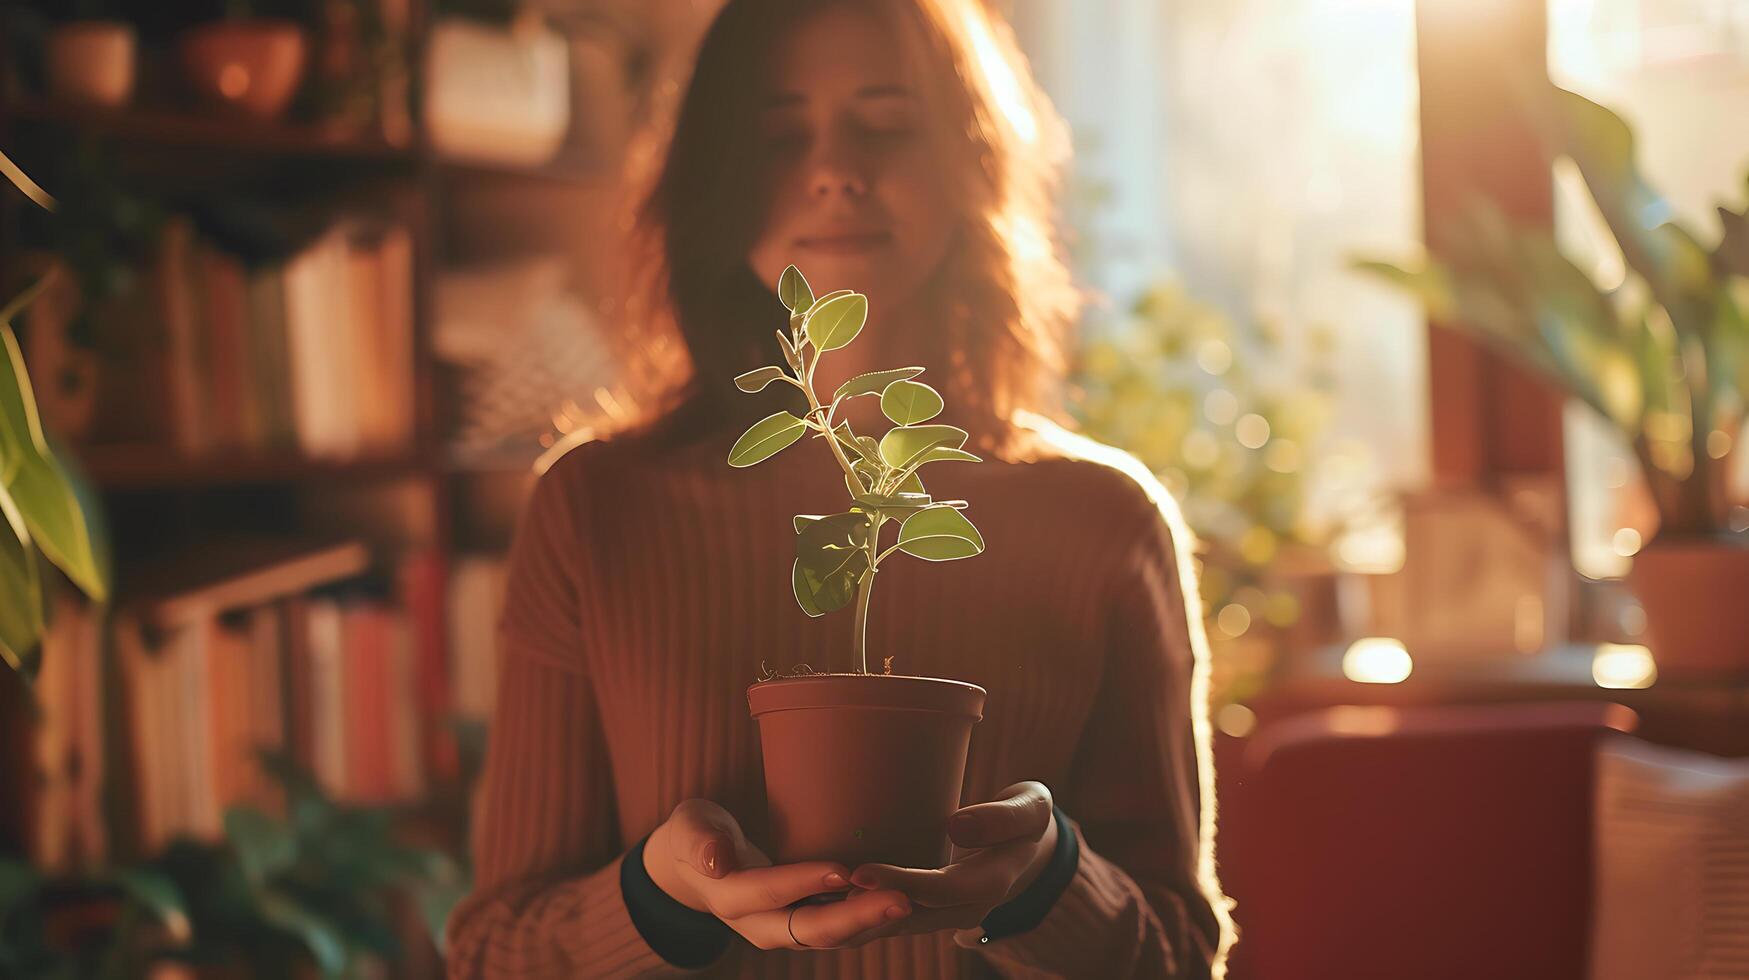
point(1002, 301)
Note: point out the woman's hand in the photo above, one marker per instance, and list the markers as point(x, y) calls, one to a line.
point(700, 857)
point(1011, 840)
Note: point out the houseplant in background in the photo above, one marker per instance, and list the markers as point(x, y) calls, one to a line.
point(860, 767)
point(248, 62)
point(1662, 356)
point(275, 896)
point(1235, 427)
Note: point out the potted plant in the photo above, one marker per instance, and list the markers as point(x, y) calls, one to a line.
point(90, 59)
point(245, 63)
point(1662, 356)
point(859, 766)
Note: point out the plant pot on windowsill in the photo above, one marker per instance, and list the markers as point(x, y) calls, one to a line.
point(860, 767)
point(249, 66)
point(1695, 591)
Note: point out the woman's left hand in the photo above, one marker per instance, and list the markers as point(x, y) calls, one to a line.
point(1010, 840)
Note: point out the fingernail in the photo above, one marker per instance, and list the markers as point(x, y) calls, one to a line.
point(836, 880)
point(897, 911)
point(712, 850)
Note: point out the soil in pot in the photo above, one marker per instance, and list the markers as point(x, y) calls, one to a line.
point(863, 767)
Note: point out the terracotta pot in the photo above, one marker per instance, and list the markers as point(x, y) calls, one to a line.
point(1695, 591)
point(91, 62)
point(252, 67)
point(863, 767)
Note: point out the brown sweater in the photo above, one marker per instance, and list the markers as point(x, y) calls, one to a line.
point(645, 590)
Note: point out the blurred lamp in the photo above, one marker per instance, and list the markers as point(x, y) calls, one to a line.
point(1620, 666)
point(1377, 660)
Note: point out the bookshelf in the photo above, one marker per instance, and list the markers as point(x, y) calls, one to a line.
point(355, 538)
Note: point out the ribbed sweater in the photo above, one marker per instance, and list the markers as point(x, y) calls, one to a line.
point(646, 588)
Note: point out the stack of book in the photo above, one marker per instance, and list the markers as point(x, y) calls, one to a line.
point(313, 354)
point(351, 683)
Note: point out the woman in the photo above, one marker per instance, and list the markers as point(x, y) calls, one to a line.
point(896, 147)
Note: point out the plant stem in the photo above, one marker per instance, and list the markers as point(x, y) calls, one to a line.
point(815, 406)
point(863, 589)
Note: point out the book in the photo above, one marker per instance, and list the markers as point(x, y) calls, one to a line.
point(237, 573)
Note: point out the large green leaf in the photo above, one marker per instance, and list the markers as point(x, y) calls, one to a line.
point(939, 534)
point(766, 438)
point(21, 602)
point(793, 291)
point(834, 322)
point(35, 480)
point(758, 378)
point(910, 402)
point(874, 382)
point(904, 443)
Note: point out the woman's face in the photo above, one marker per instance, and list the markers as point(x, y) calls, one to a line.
point(854, 197)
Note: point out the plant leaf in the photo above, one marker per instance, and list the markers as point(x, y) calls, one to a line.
point(758, 378)
point(21, 601)
point(833, 323)
point(325, 941)
point(789, 349)
point(768, 436)
point(160, 895)
point(903, 444)
point(873, 383)
point(894, 505)
point(37, 485)
point(939, 533)
point(793, 291)
point(911, 484)
point(264, 846)
point(807, 590)
point(944, 454)
point(910, 402)
point(831, 557)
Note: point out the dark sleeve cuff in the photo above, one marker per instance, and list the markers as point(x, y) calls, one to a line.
point(1027, 909)
point(685, 937)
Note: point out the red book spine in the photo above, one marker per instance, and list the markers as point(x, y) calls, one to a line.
point(422, 586)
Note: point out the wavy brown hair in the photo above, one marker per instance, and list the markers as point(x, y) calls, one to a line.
point(1003, 297)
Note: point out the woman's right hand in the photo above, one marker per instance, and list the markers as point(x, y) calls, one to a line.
point(700, 857)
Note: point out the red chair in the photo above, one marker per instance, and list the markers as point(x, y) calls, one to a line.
point(1419, 843)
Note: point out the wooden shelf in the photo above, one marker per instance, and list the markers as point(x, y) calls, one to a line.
point(196, 130)
point(149, 467)
point(564, 169)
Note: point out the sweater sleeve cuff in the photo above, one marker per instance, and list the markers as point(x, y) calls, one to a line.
point(682, 936)
point(1026, 910)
